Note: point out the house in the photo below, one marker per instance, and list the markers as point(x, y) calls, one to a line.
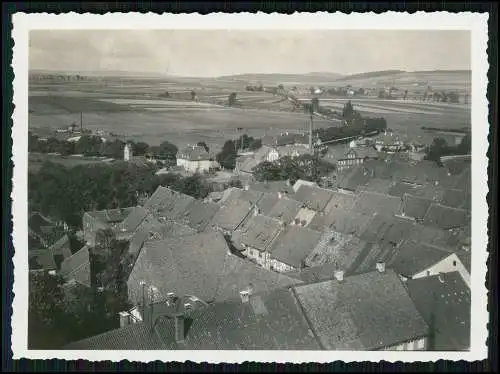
point(356, 156)
point(166, 204)
point(388, 142)
point(340, 200)
point(246, 194)
point(77, 267)
point(199, 214)
point(418, 260)
point(49, 259)
point(370, 311)
point(127, 152)
point(196, 159)
point(334, 248)
point(290, 248)
point(300, 182)
point(245, 164)
point(379, 185)
point(350, 180)
point(444, 301)
point(285, 209)
point(254, 321)
point(94, 221)
point(276, 187)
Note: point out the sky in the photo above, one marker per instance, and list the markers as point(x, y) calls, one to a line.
point(211, 53)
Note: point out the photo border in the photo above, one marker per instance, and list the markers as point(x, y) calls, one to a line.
point(492, 170)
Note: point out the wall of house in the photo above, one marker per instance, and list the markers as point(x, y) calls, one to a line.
point(410, 345)
point(279, 266)
point(197, 165)
point(447, 265)
point(90, 227)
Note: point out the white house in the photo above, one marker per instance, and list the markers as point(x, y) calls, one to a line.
point(127, 152)
point(196, 159)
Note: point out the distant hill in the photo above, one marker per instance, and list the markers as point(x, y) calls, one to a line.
point(96, 73)
point(285, 78)
point(370, 74)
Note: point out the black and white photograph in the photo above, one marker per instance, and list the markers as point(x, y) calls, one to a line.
point(204, 187)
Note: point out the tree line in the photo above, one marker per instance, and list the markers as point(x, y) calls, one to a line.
point(227, 156)
point(440, 148)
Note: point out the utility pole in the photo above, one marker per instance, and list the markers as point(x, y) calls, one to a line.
point(311, 126)
point(81, 121)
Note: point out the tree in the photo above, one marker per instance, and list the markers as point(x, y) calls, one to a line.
point(315, 104)
point(255, 144)
point(227, 156)
point(465, 146)
point(348, 110)
point(204, 145)
point(165, 151)
point(231, 100)
point(140, 148)
point(405, 95)
point(193, 95)
point(437, 149)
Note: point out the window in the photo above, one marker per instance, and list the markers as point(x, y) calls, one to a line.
point(420, 344)
point(454, 263)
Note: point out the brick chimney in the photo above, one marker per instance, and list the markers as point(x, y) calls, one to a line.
point(124, 319)
point(380, 267)
point(339, 275)
point(246, 294)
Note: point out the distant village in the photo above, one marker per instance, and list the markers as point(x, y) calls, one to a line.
point(375, 255)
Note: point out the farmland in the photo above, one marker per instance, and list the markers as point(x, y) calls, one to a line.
point(158, 109)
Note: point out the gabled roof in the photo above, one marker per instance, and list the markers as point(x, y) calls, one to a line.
point(193, 153)
point(334, 247)
point(435, 236)
point(267, 202)
point(415, 207)
point(134, 219)
point(362, 152)
point(187, 265)
point(231, 214)
point(293, 244)
point(446, 217)
point(412, 258)
point(387, 231)
point(301, 182)
point(251, 196)
point(176, 207)
point(111, 216)
point(465, 258)
point(444, 301)
point(375, 203)
point(258, 232)
point(285, 209)
point(269, 321)
point(354, 178)
point(199, 214)
point(399, 189)
point(37, 220)
point(315, 198)
point(454, 198)
point(377, 185)
point(77, 267)
point(354, 314)
point(340, 220)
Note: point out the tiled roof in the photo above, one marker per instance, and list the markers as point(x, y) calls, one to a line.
point(354, 178)
point(187, 265)
point(341, 220)
point(377, 185)
point(267, 202)
point(354, 314)
point(37, 220)
point(293, 244)
point(231, 214)
point(134, 219)
point(77, 267)
point(444, 301)
point(110, 216)
point(435, 236)
point(445, 217)
point(463, 180)
point(399, 189)
point(412, 258)
point(334, 247)
point(363, 152)
point(341, 200)
point(239, 273)
point(285, 209)
point(415, 207)
point(315, 198)
point(465, 258)
point(270, 321)
point(193, 153)
point(386, 230)
point(375, 203)
point(258, 232)
point(457, 199)
point(252, 196)
point(176, 207)
point(199, 214)
point(300, 182)
point(41, 259)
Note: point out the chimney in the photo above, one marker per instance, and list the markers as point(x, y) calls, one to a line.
point(170, 298)
point(339, 275)
point(124, 319)
point(246, 293)
point(380, 266)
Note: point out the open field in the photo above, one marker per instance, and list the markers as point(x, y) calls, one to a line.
point(36, 160)
point(135, 109)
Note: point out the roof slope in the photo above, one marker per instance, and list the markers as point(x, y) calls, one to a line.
point(340, 220)
point(372, 202)
point(341, 200)
point(444, 301)
point(134, 219)
point(285, 209)
point(231, 214)
point(293, 244)
point(199, 214)
point(272, 187)
point(354, 314)
point(258, 232)
point(315, 198)
point(267, 202)
point(188, 265)
point(77, 267)
point(412, 258)
point(251, 196)
point(414, 206)
point(446, 217)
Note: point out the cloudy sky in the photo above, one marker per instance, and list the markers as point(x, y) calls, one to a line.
point(206, 53)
